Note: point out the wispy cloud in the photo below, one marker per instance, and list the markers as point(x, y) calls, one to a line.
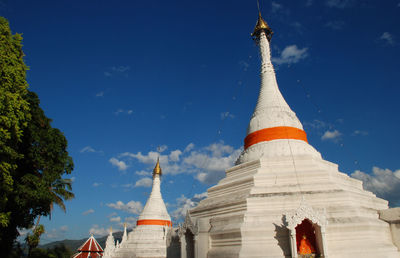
point(115, 219)
point(100, 94)
point(55, 234)
point(387, 38)
point(144, 182)
point(225, 115)
point(385, 183)
point(335, 25)
point(339, 3)
point(244, 65)
point(360, 133)
point(87, 149)
point(87, 212)
point(117, 70)
point(290, 55)
point(123, 111)
point(96, 184)
point(119, 163)
point(331, 135)
point(183, 204)
point(275, 6)
point(98, 231)
point(130, 207)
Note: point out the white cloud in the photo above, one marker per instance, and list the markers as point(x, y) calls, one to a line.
point(385, 183)
point(339, 3)
point(95, 184)
point(331, 135)
point(174, 155)
point(115, 219)
point(162, 148)
point(291, 55)
point(144, 182)
point(143, 173)
point(209, 162)
point(189, 147)
point(131, 207)
point(118, 163)
point(226, 114)
point(100, 94)
point(97, 231)
point(388, 38)
point(87, 149)
point(55, 234)
point(88, 212)
point(183, 204)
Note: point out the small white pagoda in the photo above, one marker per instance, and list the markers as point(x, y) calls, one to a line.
point(282, 199)
point(149, 237)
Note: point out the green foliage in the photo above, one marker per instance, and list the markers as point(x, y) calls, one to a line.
point(33, 155)
point(33, 239)
point(59, 251)
point(14, 110)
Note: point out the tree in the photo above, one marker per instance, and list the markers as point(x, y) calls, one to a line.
point(14, 114)
point(33, 154)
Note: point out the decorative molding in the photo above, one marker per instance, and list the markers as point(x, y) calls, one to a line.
point(188, 225)
point(304, 211)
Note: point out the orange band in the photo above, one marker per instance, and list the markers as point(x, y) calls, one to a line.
point(157, 222)
point(274, 133)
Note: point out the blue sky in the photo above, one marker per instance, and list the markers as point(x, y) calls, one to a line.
point(123, 79)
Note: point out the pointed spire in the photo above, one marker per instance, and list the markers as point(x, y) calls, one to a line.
point(274, 129)
point(125, 235)
point(157, 168)
point(262, 25)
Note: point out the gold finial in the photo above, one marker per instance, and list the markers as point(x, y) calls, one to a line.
point(262, 26)
point(157, 168)
point(124, 224)
point(111, 229)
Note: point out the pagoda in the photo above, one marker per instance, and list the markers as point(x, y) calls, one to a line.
point(149, 237)
point(282, 199)
point(91, 248)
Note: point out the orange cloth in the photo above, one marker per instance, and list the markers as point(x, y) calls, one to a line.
point(306, 247)
point(274, 133)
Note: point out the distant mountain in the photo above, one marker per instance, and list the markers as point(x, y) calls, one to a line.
point(73, 245)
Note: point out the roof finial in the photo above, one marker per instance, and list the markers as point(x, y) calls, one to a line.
point(261, 26)
point(157, 168)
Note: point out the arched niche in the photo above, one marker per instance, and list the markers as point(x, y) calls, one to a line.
point(305, 221)
point(187, 234)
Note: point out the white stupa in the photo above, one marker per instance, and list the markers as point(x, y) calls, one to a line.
point(149, 238)
point(282, 199)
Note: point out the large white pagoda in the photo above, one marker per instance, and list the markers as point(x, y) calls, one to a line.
point(282, 199)
point(149, 238)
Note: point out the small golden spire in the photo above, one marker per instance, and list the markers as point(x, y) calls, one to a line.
point(157, 168)
point(124, 224)
point(111, 229)
point(262, 26)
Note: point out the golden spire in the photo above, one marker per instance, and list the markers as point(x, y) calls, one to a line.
point(262, 26)
point(157, 168)
point(111, 229)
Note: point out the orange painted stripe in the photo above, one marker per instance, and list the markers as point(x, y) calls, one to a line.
point(157, 222)
point(274, 133)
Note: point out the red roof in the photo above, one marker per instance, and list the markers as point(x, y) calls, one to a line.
point(90, 248)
